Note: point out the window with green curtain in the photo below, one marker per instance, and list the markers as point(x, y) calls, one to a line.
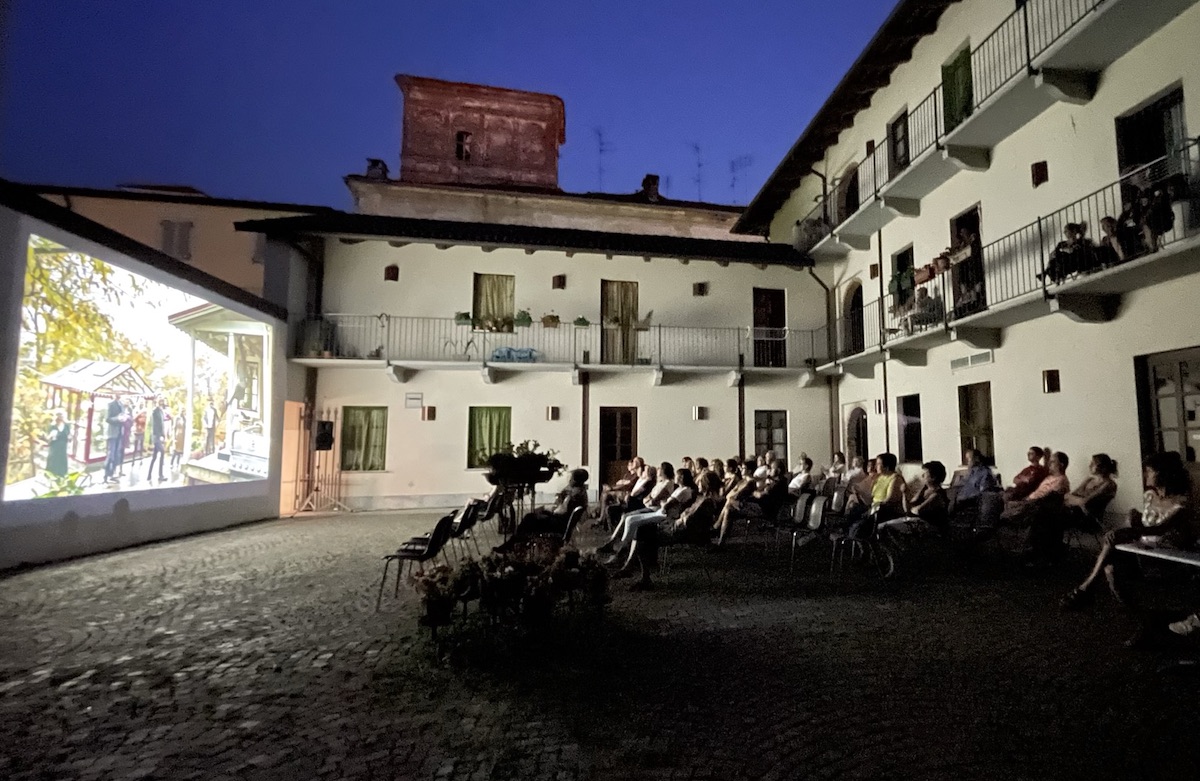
point(489, 430)
point(364, 439)
point(958, 90)
point(493, 303)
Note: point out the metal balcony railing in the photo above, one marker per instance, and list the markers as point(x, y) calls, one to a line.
point(434, 339)
point(858, 331)
point(814, 226)
point(913, 310)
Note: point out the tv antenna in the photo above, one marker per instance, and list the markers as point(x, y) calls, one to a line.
point(602, 148)
point(699, 177)
point(736, 166)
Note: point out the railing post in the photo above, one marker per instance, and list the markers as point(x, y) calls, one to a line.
point(387, 339)
point(1028, 44)
point(660, 352)
point(1042, 256)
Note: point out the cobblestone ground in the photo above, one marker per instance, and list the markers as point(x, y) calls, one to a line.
point(257, 653)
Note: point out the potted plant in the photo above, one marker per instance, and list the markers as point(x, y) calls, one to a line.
point(462, 318)
point(582, 322)
point(550, 320)
point(523, 318)
point(523, 465)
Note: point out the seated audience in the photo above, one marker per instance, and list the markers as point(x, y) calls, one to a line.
point(924, 310)
point(672, 509)
point(1166, 519)
point(751, 499)
point(636, 498)
point(838, 467)
point(979, 479)
point(718, 466)
point(552, 520)
point(693, 527)
point(1082, 508)
point(701, 466)
point(618, 492)
point(886, 498)
point(855, 471)
point(733, 476)
point(1072, 255)
point(657, 496)
point(802, 479)
point(765, 462)
point(927, 509)
point(1111, 251)
point(1030, 477)
point(688, 464)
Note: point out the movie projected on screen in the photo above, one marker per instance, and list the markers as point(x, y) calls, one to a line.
point(128, 384)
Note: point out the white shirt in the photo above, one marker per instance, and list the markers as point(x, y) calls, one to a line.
point(682, 497)
point(801, 481)
point(762, 472)
point(660, 492)
point(851, 474)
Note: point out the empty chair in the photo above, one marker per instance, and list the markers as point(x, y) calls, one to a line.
point(418, 550)
point(814, 520)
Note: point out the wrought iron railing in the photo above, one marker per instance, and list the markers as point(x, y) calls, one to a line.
point(813, 227)
point(859, 331)
point(913, 309)
point(435, 339)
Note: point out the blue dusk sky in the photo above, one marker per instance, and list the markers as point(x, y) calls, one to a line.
point(279, 99)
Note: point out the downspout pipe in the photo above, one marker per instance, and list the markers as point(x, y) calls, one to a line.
point(830, 382)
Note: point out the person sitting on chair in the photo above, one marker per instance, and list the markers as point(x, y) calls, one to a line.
point(837, 468)
point(802, 479)
point(1166, 520)
point(1029, 478)
point(636, 499)
point(886, 498)
point(927, 509)
point(979, 480)
point(693, 527)
point(618, 492)
point(682, 494)
point(1082, 509)
point(552, 520)
point(749, 500)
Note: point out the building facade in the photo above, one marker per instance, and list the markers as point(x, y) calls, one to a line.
point(1004, 203)
point(184, 223)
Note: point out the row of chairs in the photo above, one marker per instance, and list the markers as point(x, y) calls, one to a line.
point(459, 531)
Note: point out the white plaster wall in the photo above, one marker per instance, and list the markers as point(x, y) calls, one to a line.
point(1078, 142)
point(42, 530)
point(426, 460)
point(437, 283)
point(217, 248)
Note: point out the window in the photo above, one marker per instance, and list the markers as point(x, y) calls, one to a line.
point(975, 418)
point(770, 432)
point(1169, 405)
point(958, 90)
point(252, 397)
point(493, 308)
point(903, 279)
point(1150, 133)
point(177, 239)
point(898, 143)
point(489, 430)
point(462, 146)
point(908, 414)
point(364, 439)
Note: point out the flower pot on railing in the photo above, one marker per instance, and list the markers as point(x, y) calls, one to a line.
point(550, 321)
point(462, 318)
point(523, 319)
point(581, 322)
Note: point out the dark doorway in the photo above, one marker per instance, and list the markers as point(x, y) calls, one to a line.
point(848, 197)
point(770, 433)
point(966, 257)
point(618, 322)
point(618, 441)
point(975, 419)
point(770, 328)
point(1169, 401)
point(853, 331)
point(856, 434)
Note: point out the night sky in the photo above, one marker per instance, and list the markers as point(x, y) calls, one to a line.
point(278, 99)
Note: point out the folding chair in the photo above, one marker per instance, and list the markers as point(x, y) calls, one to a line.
point(418, 550)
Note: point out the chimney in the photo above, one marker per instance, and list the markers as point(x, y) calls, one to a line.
point(376, 168)
point(650, 188)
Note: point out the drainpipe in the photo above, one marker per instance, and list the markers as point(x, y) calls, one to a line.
point(887, 422)
point(830, 383)
point(824, 192)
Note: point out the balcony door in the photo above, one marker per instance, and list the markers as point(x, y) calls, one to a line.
point(770, 328)
point(854, 335)
point(1169, 396)
point(618, 320)
point(975, 419)
point(958, 90)
point(966, 258)
point(856, 434)
point(618, 441)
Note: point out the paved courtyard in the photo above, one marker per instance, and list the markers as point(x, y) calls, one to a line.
point(256, 653)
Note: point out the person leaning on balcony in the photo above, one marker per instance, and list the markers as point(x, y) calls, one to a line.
point(552, 520)
point(924, 310)
point(1166, 519)
point(1030, 477)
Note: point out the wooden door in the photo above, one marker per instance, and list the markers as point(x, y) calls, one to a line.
point(618, 441)
point(770, 327)
point(618, 321)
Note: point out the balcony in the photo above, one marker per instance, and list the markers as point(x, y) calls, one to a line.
point(422, 343)
point(1033, 271)
point(1045, 52)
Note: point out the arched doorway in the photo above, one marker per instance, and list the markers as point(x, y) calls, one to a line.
point(853, 333)
point(856, 434)
point(848, 199)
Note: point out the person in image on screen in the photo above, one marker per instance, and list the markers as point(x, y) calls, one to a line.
point(126, 434)
point(210, 427)
point(139, 434)
point(114, 417)
point(158, 440)
point(57, 439)
point(178, 431)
